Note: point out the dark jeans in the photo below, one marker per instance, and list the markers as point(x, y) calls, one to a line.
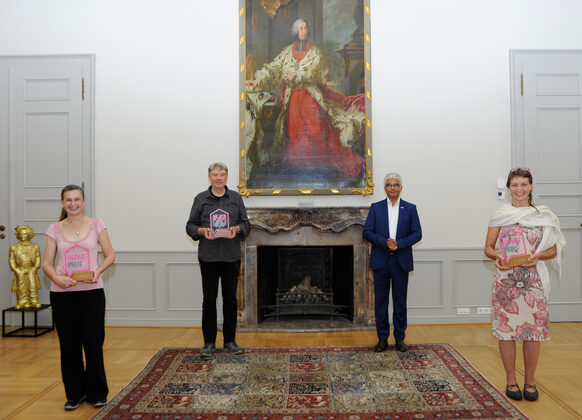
point(391, 274)
point(80, 321)
point(228, 274)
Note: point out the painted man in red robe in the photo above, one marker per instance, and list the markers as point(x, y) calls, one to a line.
point(316, 126)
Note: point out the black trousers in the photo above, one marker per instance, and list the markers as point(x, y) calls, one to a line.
point(80, 321)
point(228, 274)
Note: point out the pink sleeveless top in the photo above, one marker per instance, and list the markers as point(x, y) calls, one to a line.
point(89, 243)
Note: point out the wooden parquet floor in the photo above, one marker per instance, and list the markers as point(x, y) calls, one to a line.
point(31, 386)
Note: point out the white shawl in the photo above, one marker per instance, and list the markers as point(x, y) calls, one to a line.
point(507, 215)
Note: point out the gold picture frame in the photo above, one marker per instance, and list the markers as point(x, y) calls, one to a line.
point(305, 103)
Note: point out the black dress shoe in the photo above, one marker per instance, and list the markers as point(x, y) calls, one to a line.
point(530, 395)
point(401, 346)
point(514, 395)
point(381, 346)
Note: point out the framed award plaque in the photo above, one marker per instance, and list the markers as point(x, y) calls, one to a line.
point(512, 247)
point(78, 263)
point(219, 223)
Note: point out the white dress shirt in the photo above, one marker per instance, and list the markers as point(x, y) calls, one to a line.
point(393, 217)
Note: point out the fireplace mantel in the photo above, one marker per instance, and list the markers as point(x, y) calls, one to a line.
point(336, 219)
point(321, 226)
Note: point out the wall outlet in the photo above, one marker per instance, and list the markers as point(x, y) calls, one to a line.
point(463, 311)
point(484, 311)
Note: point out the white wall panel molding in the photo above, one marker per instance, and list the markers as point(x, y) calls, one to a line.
point(38, 209)
point(183, 279)
point(47, 90)
point(165, 288)
point(131, 286)
point(461, 273)
point(563, 204)
point(46, 137)
point(426, 285)
point(154, 288)
point(471, 281)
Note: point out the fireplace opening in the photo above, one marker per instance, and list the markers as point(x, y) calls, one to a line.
point(305, 281)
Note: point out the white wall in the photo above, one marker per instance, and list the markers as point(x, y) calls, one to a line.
point(167, 102)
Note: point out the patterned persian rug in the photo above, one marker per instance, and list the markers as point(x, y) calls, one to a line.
point(431, 381)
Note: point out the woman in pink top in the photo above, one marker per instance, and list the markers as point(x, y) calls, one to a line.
point(79, 307)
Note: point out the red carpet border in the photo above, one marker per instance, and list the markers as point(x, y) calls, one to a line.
point(430, 381)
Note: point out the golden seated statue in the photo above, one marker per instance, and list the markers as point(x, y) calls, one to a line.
point(25, 261)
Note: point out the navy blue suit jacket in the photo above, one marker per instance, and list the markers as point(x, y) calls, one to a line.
point(408, 232)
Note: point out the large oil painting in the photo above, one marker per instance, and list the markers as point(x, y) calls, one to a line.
point(305, 103)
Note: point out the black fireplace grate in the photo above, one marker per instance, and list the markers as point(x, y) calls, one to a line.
point(303, 302)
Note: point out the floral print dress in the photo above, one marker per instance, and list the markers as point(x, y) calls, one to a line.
point(520, 302)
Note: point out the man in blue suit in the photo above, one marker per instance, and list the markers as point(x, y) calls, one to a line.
point(392, 227)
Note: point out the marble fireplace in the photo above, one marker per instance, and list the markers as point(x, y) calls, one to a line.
point(306, 227)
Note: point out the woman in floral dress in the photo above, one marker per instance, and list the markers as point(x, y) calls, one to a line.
point(520, 293)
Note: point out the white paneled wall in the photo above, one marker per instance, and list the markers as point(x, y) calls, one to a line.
point(165, 288)
point(155, 288)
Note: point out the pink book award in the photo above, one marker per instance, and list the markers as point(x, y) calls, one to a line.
point(78, 263)
point(219, 223)
point(512, 247)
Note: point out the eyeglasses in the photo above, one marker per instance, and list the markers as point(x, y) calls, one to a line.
point(393, 185)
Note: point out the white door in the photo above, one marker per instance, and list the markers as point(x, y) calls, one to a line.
point(547, 138)
point(46, 142)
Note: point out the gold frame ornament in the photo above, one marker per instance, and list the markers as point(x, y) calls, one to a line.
point(335, 72)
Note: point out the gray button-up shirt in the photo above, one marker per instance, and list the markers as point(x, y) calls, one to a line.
point(221, 249)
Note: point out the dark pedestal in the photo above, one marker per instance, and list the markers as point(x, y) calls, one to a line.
point(22, 331)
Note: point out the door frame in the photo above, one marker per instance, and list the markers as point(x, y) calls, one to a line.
point(6, 147)
point(516, 59)
point(561, 311)
point(89, 99)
